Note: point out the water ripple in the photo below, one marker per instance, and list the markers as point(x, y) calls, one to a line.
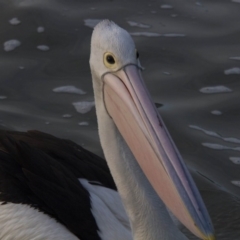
point(214, 134)
point(220, 147)
point(215, 89)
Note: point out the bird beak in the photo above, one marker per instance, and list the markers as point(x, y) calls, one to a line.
point(130, 106)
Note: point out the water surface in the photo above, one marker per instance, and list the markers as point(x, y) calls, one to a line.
point(191, 54)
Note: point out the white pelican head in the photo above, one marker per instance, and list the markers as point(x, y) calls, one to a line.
point(123, 102)
point(111, 48)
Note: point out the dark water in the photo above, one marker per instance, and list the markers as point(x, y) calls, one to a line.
point(206, 34)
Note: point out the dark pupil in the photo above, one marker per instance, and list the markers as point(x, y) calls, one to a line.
point(110, 59)
point(137, 54)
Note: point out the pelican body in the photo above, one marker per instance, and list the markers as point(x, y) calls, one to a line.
point(70, 193)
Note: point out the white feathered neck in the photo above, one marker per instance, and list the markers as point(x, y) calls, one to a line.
point(148, 216)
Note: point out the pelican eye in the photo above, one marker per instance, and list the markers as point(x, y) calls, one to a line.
point(109, 60)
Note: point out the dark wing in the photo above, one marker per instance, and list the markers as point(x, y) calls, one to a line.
point(42, 171)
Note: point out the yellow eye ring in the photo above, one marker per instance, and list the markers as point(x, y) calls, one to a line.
point(109, 60)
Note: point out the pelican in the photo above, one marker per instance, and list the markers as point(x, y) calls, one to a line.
point(52, 188)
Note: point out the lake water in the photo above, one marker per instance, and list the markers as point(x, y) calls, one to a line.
point(191, 54)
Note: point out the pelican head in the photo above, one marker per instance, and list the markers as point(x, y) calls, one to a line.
point(123, 101)
point(111, 48)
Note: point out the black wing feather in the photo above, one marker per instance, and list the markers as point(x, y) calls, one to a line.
point(42, 171)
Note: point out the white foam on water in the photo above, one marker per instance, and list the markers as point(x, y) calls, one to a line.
point(136, 24)
point(43, 47)
point(236, 1)
point(11, 45)
point(174, 35)
point(236, 183)
point(91, 22)
point(215, 89)
point(210, 133)
point(14, 21)
point(151, 34)
point(235, 160)
point(84, 106)
point(40, 29)
point(166, 73)
point(66, 115)
point(215, 146)
point(214, 134)
point(145, 34)
point(68, 89)
point(235, 70)
point(216, 112)
point(83, 123)
point(235, 58)
point(220, 147)
point(3, 97)
point(166, 6)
